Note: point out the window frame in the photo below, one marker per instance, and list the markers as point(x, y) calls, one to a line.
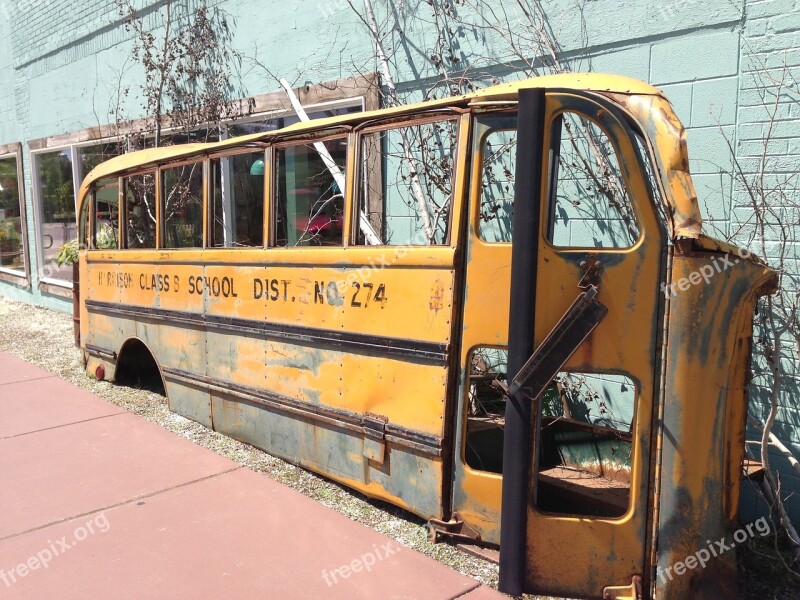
point(360, 101)
point(628, 436)
point(266, 155)
point(161, 224)
point(553, 151)
point(7, 274)
point(272, 184)
point(50, 284)
point(506, 112)
point(360, 92)
point(123, 211)
point(388, 124)
point(73, 143)
point(91, 199)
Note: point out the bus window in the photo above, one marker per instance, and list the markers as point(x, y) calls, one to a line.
point(590, 206)
point(586, 443)
point(486, 409)
point(182, 192)
point(309, 196)
point(83, 223)
point(498, 159)
point(237, 209)
point(140, 211)
point(106, 208)
point(406, 182)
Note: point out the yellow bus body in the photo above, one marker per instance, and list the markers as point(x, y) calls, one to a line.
point(274, 345)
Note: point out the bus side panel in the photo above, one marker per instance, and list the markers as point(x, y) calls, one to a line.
point(100, 333)
point(342, 346)
point(185, 347)
point(151, 303)
point(342, 370)
point(704, 421)
point(379, 347)
point(407, 478)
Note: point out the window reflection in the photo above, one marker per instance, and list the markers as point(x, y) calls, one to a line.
point(57, 224)
point(12, 251)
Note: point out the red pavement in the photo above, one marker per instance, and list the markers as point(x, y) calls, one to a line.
point(97, 503)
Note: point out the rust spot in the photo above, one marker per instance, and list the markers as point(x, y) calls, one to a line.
point(437, 295)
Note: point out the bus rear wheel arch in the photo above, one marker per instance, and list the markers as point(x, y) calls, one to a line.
point(137, 367)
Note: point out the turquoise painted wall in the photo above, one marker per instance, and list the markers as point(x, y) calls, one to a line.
point(59, 63)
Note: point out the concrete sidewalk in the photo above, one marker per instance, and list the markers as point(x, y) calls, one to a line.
point(97, 503)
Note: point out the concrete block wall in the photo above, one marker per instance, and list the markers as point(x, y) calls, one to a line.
point(58, 62)
point(769, 108)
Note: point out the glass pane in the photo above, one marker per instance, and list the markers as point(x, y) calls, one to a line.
point(57, 224)
point(196, 136)
point(406, 183)
point(486, 409)
point(591, 206)
point(499, 158)
point(585, 444)
point(183, 206)
point(140, 206)
point(91, 156)
point(237, 210)
point(309, 199)
point(278, 122)
point(12, 251)
point(83, 224)
point(106, 208)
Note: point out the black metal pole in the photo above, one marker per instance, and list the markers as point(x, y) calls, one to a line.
point(524, 251)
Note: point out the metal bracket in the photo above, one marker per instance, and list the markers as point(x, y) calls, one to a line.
point(625, 592)
point(375, 437)
point(591, 272)
point(456, 529)
point(560, 344)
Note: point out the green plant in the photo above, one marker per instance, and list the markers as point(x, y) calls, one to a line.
point(106, 237)
point(68, 253)
point(10, 234)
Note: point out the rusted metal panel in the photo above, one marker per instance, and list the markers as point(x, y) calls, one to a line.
point(611, 550)
point(668, 137)
point(407, 477)
point(704, 420)
point(221, 331)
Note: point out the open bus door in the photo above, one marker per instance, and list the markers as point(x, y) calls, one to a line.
point(583, 352)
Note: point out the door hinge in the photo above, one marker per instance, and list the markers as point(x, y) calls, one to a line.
point(456, 529)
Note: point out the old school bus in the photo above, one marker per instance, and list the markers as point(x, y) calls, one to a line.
point(344, 293)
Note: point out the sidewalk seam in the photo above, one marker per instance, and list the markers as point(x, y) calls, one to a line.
point(118, 504)
point(51, 375)
point(469, 591)
point(116, 414)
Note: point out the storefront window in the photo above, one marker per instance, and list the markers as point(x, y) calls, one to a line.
point(12, 248)
point(56, 198)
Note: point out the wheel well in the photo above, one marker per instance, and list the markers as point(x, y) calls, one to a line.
point(137, 367)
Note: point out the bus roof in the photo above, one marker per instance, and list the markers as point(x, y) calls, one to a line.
point(583, 81)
